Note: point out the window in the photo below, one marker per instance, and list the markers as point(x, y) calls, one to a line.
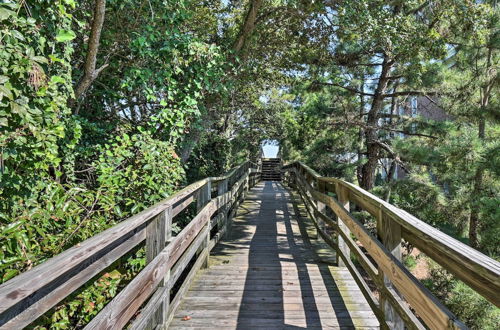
point(414, 106)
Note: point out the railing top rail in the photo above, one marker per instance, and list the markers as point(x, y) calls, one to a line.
point(229, 173)
point(468, 256)
point(28, 282)
point(476, 269)
point(54, 279)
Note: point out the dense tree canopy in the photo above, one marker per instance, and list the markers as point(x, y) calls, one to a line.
point(107, 107)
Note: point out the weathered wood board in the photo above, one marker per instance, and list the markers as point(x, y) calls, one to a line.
point(267, 276)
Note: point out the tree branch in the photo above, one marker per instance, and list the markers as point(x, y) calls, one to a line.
point(409, 133)
point(353, 90)
point(248, 25)
point(393, 154)
point(363, 125)
point(419, 8)
point(407, 93)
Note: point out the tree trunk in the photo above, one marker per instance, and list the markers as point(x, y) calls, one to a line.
point(478, 177)
point(192, 140)
point(474, 213)
point(371, 130)
point(390, 176)
point(359, 173)
point(248, 26)
point(246, 31)
point(91, 72)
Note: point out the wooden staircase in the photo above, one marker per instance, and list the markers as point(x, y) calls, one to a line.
point(271, 169)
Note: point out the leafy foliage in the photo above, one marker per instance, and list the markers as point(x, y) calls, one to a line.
point(186, 89)
point(66, 177)
point(35, 84)
point(479, 314)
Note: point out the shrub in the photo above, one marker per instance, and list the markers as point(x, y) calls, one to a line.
point(471, 308)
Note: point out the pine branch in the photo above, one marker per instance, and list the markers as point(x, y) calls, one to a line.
point(393, 154)
point(353, 90)
point(408, 93)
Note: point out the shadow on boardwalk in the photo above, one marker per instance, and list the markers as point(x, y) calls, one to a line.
point(265, 275)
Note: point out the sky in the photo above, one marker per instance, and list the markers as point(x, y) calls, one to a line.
point(270, 149)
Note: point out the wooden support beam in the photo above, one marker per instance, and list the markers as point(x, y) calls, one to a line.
point(389, 233)
point(223, 205)
point(321, 207)
point(158, 234)
point(204, 196)
point(343, 198)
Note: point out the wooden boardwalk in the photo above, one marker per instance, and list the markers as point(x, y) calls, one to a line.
point(267, 274)
point(270, 272)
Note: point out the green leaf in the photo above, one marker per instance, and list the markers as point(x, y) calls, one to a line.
point(118, 211)
point(5, 13)
point(16, 34)
point(5, 91)
point(17, 108)
point(9, 274)
point(71, 3)
point(65, 35)
point(39, 59)
point(34, 111)
point(57, 80)
point(55, 59)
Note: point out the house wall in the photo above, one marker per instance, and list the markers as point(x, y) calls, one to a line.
point(425, 108)
point(430, 110)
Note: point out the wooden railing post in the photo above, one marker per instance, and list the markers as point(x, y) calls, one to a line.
point(251, 178)
point(389, 233)
point(320, 206)
point(158, 235)
point(204, 196)
point(294, 180)
point(247, 183)
point(343, 198)
point(223, 207)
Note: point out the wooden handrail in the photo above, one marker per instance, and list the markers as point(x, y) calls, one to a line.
point(398, 288)
point(26, 297)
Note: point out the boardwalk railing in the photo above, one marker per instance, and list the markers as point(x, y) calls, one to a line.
point(404, 301)
point(171, 260)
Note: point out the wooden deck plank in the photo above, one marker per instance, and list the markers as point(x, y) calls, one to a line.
point(264, 323)
point(232, 303)
point(267, 276)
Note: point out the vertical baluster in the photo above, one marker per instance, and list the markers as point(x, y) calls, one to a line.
point(158, 235)
point(162, 318)
point(294, 179)
point(389, 233)
point(343, 198)
point(204, 196)
point(246, 186)
point(330, 187)
point(320, 185)
point(223, 207)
